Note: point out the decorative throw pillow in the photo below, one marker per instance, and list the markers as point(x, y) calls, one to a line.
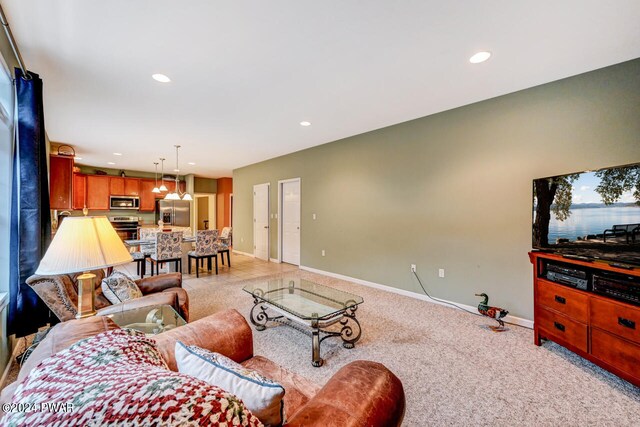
point(263, 397)
point(119, 378)
point(119, 287)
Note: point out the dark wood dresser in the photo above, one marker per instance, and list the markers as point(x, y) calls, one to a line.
point(602, 328)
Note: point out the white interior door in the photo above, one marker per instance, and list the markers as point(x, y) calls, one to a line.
point(291, 222)
point(261, 221)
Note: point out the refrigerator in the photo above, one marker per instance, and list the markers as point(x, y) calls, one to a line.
point(174, 212)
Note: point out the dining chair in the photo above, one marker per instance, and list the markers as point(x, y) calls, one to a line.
point(168, 248)
point(145, 251)
point(223, 244)
point(205, 249)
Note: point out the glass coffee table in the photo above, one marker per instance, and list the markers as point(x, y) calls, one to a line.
point(308, 307)
point(150, 320)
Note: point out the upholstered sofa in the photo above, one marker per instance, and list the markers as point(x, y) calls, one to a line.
point(362, 393)
point(60, 294)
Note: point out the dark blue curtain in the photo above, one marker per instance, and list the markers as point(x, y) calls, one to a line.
point(30, 217)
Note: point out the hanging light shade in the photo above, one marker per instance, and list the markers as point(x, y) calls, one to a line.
point(162, 188)
point(177, 194)
point(156, 189)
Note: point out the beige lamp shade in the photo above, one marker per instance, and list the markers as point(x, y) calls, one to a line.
point(83, 244)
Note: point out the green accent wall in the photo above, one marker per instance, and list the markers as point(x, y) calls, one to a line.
point(452, 190)
point(205, 185)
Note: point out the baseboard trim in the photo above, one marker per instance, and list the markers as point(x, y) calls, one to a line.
point(243, 253)
point(276, 260)
point(510, 319)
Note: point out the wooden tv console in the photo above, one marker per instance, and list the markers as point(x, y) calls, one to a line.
point(604, 330)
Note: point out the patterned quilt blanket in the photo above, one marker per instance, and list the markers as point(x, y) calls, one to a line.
point(119, 378)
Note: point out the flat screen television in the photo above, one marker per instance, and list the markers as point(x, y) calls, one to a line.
point(592, 214)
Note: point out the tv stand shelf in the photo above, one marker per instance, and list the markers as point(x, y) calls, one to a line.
point(603, 330)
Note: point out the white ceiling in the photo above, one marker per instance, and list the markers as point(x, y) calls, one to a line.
point(245, 73)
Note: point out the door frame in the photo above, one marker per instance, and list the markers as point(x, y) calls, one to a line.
point(280, 184)
point(268, 184)
point(212, 202)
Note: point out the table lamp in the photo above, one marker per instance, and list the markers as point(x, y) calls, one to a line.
point(82, 244)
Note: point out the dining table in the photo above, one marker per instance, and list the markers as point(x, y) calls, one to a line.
point(187, 245)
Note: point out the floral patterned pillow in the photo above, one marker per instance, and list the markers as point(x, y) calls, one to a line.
point(119, 378)
point(119, 287)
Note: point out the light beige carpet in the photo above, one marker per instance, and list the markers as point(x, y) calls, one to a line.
point(455, 371)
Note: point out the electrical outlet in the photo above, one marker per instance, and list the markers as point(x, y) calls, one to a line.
point(441, 272)
point(314, 216)
point(413, 268)
point(323, 252)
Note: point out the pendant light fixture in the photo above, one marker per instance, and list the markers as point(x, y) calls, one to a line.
point(162, 188)
point(155, 188)
point(176, 194)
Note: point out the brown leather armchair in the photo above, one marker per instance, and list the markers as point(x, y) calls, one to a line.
point(60, 294)
point(362, 393)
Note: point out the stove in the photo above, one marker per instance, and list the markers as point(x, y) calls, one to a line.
point(126, 226)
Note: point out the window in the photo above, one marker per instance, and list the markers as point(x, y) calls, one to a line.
point(7, 108)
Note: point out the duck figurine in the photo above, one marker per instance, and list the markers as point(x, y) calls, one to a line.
point(493, 312)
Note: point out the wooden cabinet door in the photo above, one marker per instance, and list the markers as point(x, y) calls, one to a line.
point(98, 192)
point(132, 187)
point(79, 191)
point(60, 182)
point(171, 186)
point(116, 186)
point(147, 198)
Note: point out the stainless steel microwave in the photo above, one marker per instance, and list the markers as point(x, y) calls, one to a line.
point(124, 202)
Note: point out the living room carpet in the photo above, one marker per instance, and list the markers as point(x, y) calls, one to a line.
point(455, 370)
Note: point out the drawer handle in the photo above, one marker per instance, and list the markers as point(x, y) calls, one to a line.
point(626, 323)
point(559, 326)
point(560, 299)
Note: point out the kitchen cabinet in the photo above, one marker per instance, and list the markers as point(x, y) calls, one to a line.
point(60, 182)
point(147, 198)
point(98, 192)
point(79, 191)
point(116, 186)
point(131, 187)
point(119, 186)
point(171, 186)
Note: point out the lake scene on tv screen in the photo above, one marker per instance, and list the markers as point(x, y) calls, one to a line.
point(588, 209)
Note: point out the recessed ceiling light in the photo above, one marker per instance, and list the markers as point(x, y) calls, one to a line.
point(110, 163)
point(480, 57)
point(176, 170)
point(192, 163)
point(161, 78)
point(117, 154)
point(77, 158)
point(305, 123)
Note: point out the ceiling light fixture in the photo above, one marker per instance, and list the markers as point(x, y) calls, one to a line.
point(110, 163)
point(177, 194)
point(117, 154)
point(305, 123)
point(161, 78)
point(156, 189)
point(192, 163)
point(480, 57)
point(162, 188)
point(77, 158)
